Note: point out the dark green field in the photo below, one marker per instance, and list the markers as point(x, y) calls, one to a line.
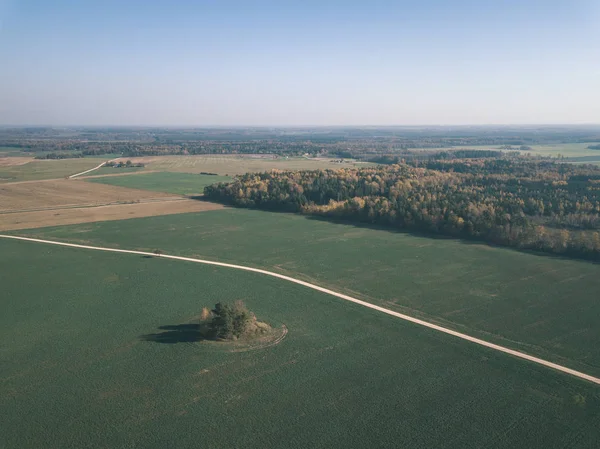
point(179, 183)
point(541, 305)
point(77, 373)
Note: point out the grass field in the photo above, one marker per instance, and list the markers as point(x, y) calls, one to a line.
point(50, 169)
point(234, 165)
point(222, 165)
point(11, 151)
point(77, 373)
point(116, 171)
point(177, 183)
point(572, 152)
point(541, 305)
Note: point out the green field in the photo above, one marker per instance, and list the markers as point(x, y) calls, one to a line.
point(541, 305)
point(570, 152)
point(47, 169)
point(77, 372)
point(179, 183)
point(114, 171)
point(12, 151)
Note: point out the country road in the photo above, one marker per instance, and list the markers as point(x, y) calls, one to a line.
point(90, 170)
point(417, 321)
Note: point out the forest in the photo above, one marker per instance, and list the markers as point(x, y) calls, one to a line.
point(512, 201)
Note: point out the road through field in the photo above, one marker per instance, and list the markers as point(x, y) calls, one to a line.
point(90, 170)
point(462, 336)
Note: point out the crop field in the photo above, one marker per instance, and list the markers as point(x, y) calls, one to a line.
point(571, 152)
point(115, 171)
point(81, 367)
point(34, 204)
point(234, 165)
point(46, 169)
point(10, 151)
point(177, 183)
point(90, 214)
point(11, 161)
point(62, 192)
point(541, 305)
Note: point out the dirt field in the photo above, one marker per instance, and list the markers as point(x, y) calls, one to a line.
point(60, 193)
point(57, 217)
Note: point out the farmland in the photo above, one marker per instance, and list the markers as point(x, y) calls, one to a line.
point(62, 193)
point(10, 151)
point(55, 202)
point(47, 169)
point(177, 183)
point(570, 152)
point(541, 305)
point(94, 355)
point(234, 165)
point(97, 213)
point(80, 374)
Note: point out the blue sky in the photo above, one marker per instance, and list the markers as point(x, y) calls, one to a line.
point(327, 62)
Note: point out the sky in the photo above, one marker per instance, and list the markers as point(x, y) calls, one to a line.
point(299, 63)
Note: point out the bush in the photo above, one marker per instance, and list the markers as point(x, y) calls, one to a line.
point(230, 321)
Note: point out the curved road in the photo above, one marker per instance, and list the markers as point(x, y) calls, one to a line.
point(462, 336)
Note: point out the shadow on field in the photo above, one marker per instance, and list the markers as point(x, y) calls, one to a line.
point(178, 333)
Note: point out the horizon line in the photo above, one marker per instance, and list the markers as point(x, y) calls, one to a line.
point(238, 126)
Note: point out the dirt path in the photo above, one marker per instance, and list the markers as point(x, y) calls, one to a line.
point(462, 336)
point(90, 170)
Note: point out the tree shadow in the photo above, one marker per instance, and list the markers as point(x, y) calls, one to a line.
point(177, 333)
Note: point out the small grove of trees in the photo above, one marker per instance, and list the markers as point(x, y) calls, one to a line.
point(230, 321)
point(594, 147)
point(59, 156)
point(121, 164)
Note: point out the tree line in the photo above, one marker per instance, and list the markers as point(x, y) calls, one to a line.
point(516, 202)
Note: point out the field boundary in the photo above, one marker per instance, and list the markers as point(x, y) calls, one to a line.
point(444, 330)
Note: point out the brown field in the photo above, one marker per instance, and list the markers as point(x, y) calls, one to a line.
point(57, 217)
point(27, 196)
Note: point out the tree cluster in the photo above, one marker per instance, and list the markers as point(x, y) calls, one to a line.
point(59, 156)
point(230, 321)
point(122, 164)
point(516, 202)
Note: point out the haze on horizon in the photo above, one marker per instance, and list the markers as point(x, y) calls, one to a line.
point(318, 63)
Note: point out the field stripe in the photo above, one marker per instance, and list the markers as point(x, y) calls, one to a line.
point(462, 336)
